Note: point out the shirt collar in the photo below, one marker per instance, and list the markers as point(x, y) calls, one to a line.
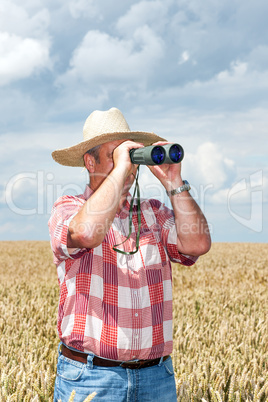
point(88, 192)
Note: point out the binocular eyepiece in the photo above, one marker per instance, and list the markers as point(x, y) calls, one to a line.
point(157, 154)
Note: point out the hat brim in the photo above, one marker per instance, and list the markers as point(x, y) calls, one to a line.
point(73, 156)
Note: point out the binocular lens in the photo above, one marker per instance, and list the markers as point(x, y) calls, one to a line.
point(158, 154)
point(175, 153)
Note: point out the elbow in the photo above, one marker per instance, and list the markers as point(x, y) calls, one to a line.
point(204, 246)
point(82, 239)
point(196, 247)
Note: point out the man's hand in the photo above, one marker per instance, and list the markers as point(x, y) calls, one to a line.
point(122, 159)
point(168, 174)
point(123, 165)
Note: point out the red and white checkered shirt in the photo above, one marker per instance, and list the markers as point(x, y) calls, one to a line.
point(117, 306)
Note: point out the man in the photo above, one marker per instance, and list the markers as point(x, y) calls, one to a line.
point(115, 308)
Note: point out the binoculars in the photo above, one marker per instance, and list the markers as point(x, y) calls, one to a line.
point(157, 154)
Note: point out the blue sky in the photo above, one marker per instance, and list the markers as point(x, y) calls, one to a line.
point(193, 72)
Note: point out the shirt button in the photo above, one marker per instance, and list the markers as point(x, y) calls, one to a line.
point(136, 314)
point(135, 292)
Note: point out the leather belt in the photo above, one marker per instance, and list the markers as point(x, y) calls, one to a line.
point(97, 361)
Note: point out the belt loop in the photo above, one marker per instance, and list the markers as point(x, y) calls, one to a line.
point(161, 361)
point(59, 348)
point(90, 358)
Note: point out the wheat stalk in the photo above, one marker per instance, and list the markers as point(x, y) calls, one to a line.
point(220, 324)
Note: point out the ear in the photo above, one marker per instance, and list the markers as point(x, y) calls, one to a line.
point(89, 163)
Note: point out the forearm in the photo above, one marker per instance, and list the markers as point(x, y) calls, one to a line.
point(193, 237)
point(89, 227)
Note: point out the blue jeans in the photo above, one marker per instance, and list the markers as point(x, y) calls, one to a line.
point(156, 383)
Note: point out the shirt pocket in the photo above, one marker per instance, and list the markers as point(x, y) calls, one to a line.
point(152, 250)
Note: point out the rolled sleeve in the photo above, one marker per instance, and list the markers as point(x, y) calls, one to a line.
point(64, 210)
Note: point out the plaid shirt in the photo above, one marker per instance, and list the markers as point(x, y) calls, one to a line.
point(117, 306)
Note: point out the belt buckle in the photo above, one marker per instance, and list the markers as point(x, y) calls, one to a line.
point(135, 365)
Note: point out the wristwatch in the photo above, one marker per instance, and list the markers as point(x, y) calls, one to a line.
point(185, 187)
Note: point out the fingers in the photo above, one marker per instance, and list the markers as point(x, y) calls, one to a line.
point(166, 172)
point(131, 145)
point(122, 159)
point(126, 146)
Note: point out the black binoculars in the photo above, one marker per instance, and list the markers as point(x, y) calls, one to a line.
point(157, 154)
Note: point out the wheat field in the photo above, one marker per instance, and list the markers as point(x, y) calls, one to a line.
point(220, 324)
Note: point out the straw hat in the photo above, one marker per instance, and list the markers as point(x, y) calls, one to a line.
point(101, 127)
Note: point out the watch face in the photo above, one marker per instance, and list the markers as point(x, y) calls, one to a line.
point(186, 185)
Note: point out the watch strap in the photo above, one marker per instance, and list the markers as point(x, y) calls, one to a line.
point(185, 187)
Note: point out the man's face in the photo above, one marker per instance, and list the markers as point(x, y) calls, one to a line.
point(106, 165)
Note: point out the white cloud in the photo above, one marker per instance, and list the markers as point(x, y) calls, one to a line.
point(237, 71)
point(258, 58)
point(209, 166)
point(102, 58)
point(20, 193)
point(237, 88)
point(15, 19)
point(151, 13)
point(184, 57)
point(24, 42)
point(21, 57)
point(239, 80)
point(84, 9)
